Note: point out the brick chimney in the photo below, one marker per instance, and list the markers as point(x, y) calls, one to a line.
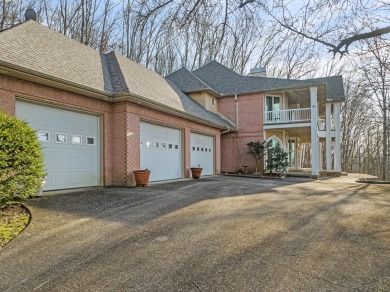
point(258, 72)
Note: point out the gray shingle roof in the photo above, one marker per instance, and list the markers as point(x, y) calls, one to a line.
point(187, 81)
point(227, 82)
point(37, 49)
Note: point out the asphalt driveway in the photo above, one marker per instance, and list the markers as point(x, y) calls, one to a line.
point(212, 234)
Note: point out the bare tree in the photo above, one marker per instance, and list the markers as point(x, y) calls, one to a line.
point(338, 25)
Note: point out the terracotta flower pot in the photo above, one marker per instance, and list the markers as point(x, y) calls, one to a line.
point(196, 172)
point(141, 177)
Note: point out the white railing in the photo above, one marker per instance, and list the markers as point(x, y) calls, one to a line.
point(322, 124)
point(287, 116)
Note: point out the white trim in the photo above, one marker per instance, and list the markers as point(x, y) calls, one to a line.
point(273, 95)
point(328, 140)
point(276, 138)
point(286, 126)
point(337, 142)
point(314, 138)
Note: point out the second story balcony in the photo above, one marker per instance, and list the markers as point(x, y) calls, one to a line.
point(287, 116)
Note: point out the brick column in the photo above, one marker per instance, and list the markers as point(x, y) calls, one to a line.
point(119, 147)
point(187, 152)
point(217, 148)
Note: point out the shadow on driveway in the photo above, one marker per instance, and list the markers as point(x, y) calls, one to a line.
point(213, 234)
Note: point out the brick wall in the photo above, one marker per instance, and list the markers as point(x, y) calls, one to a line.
point(138, 113)
point(250, 128)
point(120, 126)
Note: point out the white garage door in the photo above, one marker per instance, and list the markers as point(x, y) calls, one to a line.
point(161, 151)
point(70, 143)
point(202, 153)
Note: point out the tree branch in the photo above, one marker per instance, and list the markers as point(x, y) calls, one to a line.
point(242, 4)
point(346, 42)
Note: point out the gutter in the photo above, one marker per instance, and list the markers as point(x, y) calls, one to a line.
point(31, 74)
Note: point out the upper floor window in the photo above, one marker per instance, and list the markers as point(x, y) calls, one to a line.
point(273, 103)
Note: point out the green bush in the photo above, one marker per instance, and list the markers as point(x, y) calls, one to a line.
point(277, 160)
point(21, 160)
point(256, 148)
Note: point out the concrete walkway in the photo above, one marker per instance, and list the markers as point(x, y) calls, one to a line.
point(214, 234)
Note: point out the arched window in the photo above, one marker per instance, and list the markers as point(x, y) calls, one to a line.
point(274, 140)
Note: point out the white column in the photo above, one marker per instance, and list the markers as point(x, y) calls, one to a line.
point(328, 141)
point(337, 142)
point(320, 157)
point(314, 136)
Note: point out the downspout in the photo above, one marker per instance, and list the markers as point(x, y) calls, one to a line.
point(226, 131)
point(236, 99)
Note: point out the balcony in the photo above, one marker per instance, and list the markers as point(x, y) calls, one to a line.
point(287, 116)
point(321, 123)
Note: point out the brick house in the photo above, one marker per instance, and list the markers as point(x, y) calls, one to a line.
point(289, 112)
point(101, 116)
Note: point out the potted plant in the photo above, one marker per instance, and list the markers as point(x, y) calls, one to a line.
point(141, 177)
point(38, 193)
point(196, 172)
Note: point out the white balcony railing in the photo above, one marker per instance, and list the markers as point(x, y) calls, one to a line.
point(321, 123)
point(287, 116)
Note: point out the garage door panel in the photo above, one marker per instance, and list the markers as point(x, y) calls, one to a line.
point(61, 158)
point(202, 152)
point(80, 177)
point(70, 164)
point(164, 163)
point(61, 178)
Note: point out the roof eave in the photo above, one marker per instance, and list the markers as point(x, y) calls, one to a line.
point(140, 100)
point(208, 90)
point(25, 74)
point(271, 90)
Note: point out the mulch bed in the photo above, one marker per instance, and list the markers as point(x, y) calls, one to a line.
point(13, 219)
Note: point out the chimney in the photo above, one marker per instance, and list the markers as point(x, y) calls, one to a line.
point(258, 72)
point(30, 14)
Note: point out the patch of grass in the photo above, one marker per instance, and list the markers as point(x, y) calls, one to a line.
point(13, 219)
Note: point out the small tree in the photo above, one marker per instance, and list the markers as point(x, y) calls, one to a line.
point(256, 148)
point(277, 160)
point(21, 160)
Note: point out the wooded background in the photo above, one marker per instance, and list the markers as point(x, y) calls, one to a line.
point(293, 39)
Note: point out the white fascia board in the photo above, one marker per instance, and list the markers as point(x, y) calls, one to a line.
point(286, 126)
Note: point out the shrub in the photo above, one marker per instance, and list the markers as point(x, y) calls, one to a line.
point(21, 160)
point(277, 160)
point(256, 148)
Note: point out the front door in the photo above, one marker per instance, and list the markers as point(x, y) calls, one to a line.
point(294, 153)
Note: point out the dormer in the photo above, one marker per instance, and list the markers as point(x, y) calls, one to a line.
point(205, 99)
